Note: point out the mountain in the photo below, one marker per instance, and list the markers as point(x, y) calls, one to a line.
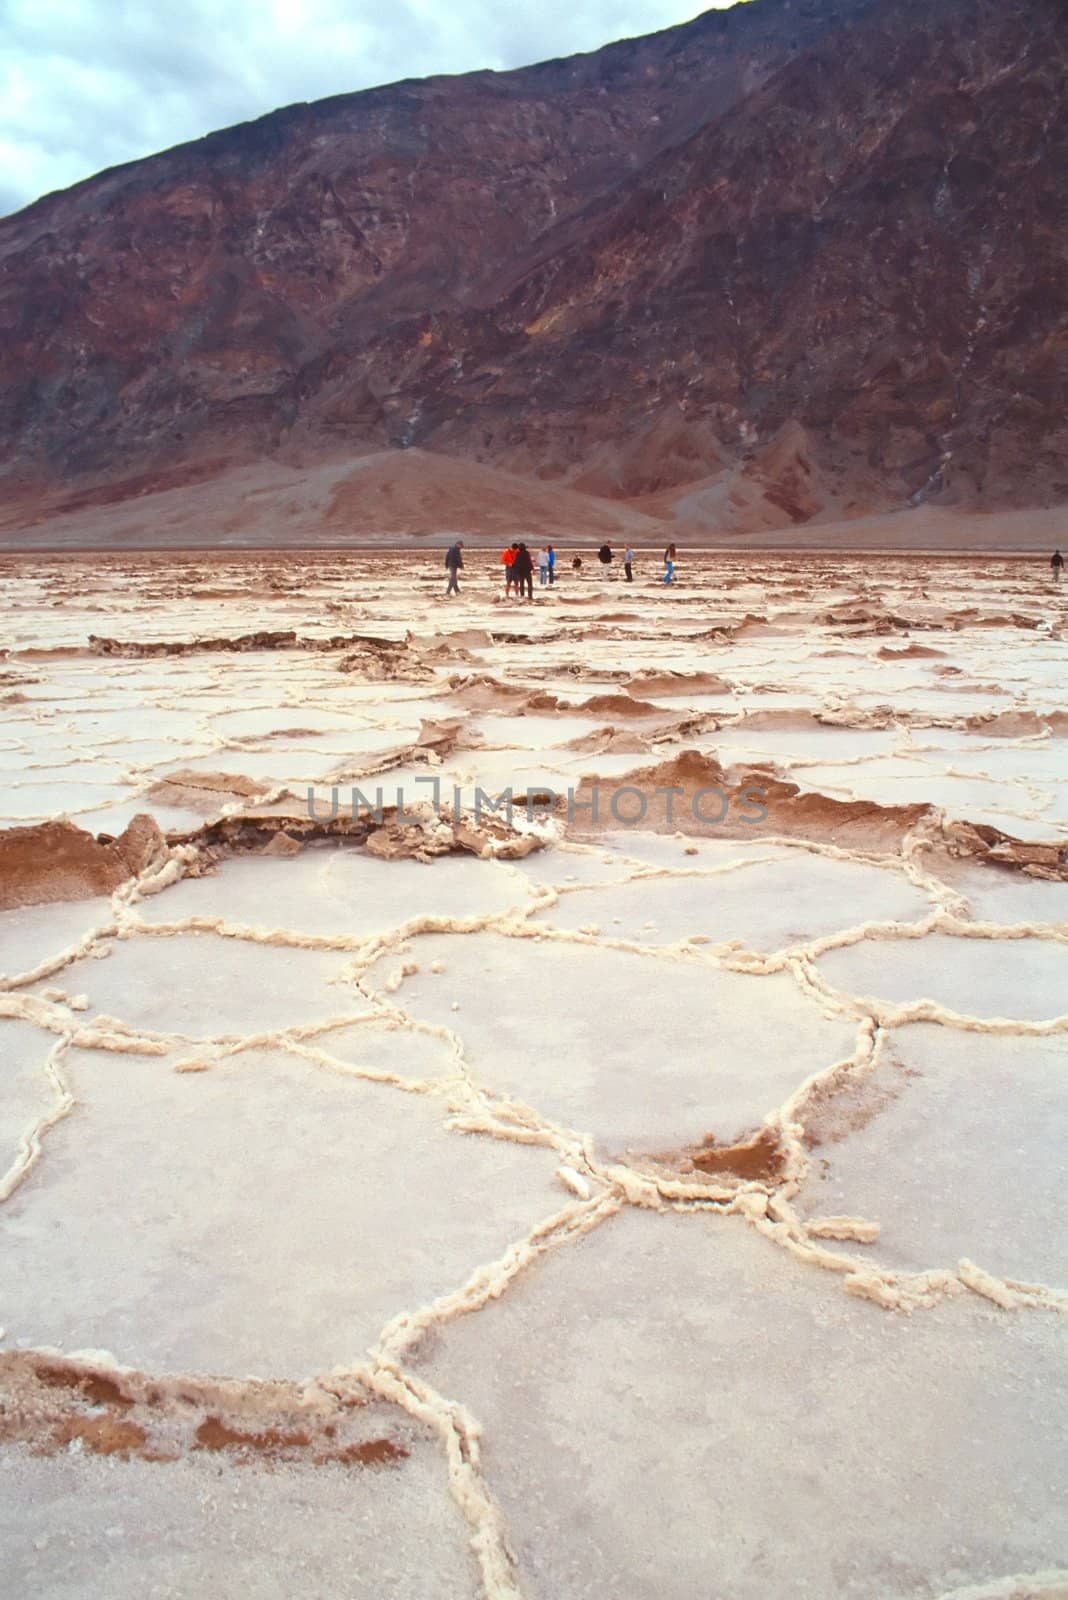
point(792, 261)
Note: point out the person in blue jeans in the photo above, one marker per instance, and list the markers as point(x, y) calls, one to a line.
point(669, 564)
point(543, 567)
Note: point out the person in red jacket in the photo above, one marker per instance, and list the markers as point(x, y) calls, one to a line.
point(507, 558)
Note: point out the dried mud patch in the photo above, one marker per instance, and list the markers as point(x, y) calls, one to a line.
point(137, 650)
point(434, 834)
point(761, 1159)
point(989, 845)
point(59, 861)
point(205, 791)
point(676, 683)
point(693, 793)
point(50, 1402)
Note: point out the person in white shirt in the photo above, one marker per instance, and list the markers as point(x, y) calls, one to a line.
point(628, 558)
point(544, 564)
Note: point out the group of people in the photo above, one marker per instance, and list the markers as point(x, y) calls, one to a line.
point(519, 566)
point(604, 556)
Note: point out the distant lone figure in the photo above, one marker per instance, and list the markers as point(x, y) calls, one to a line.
point(576, 565)
point(669, 564)
point(454, 561)
point(628, 564)
point(604, 555)
point(522, 570)
point(1056, 562)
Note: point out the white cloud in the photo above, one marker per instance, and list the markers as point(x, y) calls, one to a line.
point(85, 84)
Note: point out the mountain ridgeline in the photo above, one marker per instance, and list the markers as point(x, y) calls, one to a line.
point(798, 259)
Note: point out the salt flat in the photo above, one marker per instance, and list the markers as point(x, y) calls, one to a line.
point(570, 1093)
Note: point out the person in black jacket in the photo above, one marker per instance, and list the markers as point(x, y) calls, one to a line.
point(454, 560)
point(523, 572)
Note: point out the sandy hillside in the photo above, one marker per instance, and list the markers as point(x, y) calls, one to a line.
point(420, 497)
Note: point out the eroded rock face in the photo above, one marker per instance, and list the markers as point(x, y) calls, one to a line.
point(809, 257)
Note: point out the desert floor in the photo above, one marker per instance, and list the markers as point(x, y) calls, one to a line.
point(643, 1190)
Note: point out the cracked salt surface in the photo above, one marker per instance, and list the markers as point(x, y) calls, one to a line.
point(272, 1230)
point(715, 1419)
point(1006, 897)
point(195, 985)
point(767, 905)
point(129, 1528)
point(981, 978)
point(956, 1143)
point(466, 1207)
point(33, 933)
point(24, 1096)
point(333, 891)
point(608, 1041)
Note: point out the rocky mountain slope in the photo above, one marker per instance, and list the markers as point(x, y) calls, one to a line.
point(797, 260)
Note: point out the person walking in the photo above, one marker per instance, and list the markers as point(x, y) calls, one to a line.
point(507, 557)
point(522, 570)
point(543, 567)
point(454, 561)
point(552, 565)
point(1056, 562)
point(628, 564)
point(669, 564)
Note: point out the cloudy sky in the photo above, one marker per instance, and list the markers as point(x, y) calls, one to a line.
point(87, 83)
